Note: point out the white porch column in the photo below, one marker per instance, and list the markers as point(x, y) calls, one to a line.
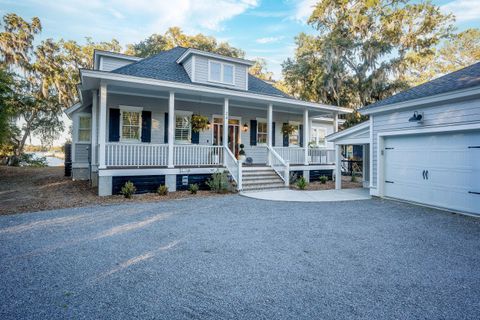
point(102, 127)
point(335, 122)
point(306, 138)
point(171, 127)
point(93, 147)
point(338, 167)
point(269, 132)
point(225, 122)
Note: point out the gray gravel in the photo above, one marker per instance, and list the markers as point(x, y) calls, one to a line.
point(238, 258)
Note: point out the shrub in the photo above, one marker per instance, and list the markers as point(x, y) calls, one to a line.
point(29, 160)
point(323, 179)
point(219, 182)
point(128, 189)
point(302, 183)
point(293, 178)
point(193, 188)
point(354, 177)
point(162, 190)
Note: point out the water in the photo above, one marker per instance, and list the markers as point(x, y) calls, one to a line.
point(51, 161)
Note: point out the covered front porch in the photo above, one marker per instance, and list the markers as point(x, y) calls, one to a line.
point(145, 129)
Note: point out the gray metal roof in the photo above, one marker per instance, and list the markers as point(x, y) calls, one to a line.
point(462, 79)
point(163, 66)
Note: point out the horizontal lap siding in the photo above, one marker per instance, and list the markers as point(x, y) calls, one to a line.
point(188, 67)
point(201, 72)
point(448, 114)
point(199, 179)
point(144, 184)
point(82, 152)
point(110, 63)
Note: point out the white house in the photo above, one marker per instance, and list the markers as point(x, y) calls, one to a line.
point(423, 145)
point(133, 122)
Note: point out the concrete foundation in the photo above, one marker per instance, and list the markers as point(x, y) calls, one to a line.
point(104, 186)
point(171, 182)
point(80, 174)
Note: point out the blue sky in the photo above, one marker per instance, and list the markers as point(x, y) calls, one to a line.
point(263, 28)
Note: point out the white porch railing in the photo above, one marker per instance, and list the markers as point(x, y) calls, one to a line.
point(234, 167)
point(291, 154)
point(197, 155)
point(281, 166)
point(136, 155)
point(321, 156)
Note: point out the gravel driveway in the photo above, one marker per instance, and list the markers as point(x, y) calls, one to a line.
point(234, 257)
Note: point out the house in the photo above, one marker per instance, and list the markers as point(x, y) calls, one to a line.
point(134, 122)
point(423, 145)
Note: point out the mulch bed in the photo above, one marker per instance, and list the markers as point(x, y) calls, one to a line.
point(24, 189)
point(346, 184)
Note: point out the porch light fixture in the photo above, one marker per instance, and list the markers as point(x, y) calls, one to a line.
point(245, 127)
point(209, 125)
point(417, 117)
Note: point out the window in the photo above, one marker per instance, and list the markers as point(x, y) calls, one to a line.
point(131, 124)
point(84, 128)
point(221, 72)
point(262, 132)
point(317, 138)
point(294, 137)
point(183, 128)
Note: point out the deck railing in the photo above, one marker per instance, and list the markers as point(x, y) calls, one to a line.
point(234, 167)
point(281, 166)
point(197, 155)
point(136, 155)
point(321, 156)
point(292, 155)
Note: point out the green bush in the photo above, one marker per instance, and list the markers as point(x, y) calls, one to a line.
point(302, 183)
point(29, 160)
point(162, 190)
point(128, 189)
point(193, 188)
point(219, 182)
point(323, 179)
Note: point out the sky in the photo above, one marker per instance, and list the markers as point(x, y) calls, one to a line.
point(262, 28)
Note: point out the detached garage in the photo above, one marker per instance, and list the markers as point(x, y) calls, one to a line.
point(425, 143)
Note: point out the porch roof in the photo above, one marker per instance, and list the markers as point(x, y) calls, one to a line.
point(358, 134)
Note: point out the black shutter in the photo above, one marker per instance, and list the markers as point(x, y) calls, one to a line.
point(300, 128)
point(285, 137)
point(253, 132)
point(165, 130)
point(146, 126)
point(273, 134)
point(114, 125)
point(195, 137)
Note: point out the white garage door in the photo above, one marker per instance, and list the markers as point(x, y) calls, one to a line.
point(441, 170)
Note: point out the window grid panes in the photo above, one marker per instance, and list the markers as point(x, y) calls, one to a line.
point(131, 124)
point(228, 74)
point(84, 128)
point(182, 128)
point(261, 133)
point(221, 72)
point(216, 71)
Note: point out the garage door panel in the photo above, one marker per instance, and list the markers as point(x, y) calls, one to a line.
point(452, 162)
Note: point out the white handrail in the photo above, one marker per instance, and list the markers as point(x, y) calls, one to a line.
point(234, 167)
point(279, 165)
point(197, 155)
point(135, 155)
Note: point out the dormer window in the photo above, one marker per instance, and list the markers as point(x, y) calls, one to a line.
point(221, 72)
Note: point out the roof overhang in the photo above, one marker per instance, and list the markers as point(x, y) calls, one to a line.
point(191, 51)
point(358, 134)
point(72, 109)
point(91, 80)
point(100, 53)
point(426, 101)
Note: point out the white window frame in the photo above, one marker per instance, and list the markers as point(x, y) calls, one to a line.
point(131, 109)
point(262, 120)
point(84, 115)
point(222, 80)
point(297, 124)
point(317, 144)
point(182, 114)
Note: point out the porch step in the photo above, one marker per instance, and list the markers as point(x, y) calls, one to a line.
point(261, 178)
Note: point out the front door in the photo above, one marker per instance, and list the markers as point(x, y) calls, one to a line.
point(233, 134)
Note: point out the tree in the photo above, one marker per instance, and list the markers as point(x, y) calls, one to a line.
point(361, 49)
point(460, 51)
point(176, 37)
point(259, 70)
point(7, 127)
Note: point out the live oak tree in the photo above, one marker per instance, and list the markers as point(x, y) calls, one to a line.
point(360, 50)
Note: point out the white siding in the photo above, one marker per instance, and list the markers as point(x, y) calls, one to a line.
point(111, 63)
point(448, 114)
point(188, 67)
point(201, 73)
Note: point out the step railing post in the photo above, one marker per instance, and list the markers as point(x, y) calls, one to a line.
point(287, 173)
point(239, 184)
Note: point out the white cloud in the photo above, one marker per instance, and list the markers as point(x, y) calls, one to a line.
point(303, 10)
point(464, 10)
point(269, 39)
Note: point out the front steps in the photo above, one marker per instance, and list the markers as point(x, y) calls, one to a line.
point(260, 178)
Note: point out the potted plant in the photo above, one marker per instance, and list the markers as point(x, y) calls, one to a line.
point(288, 129)
point(199, 122)
point(241, 154)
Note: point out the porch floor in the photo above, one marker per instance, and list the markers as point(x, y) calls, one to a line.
point(310, 196)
